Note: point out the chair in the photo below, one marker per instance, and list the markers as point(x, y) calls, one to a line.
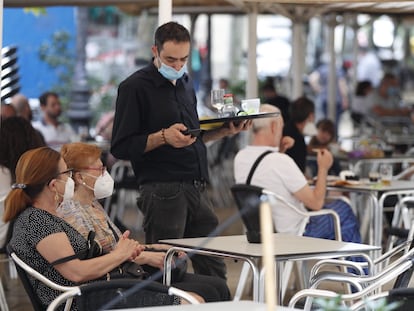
point(24, 270)
point(401, 271)
point(248, 198)
point(124, 181)
point(93, 295)
point(119, 293)
point(362, 280)
point(402, 222)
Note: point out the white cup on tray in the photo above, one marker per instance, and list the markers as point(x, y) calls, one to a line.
point(251, 106)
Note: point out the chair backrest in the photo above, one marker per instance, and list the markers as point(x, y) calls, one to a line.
point(123, 175)
point(24, 270)
point(248, 199)
point(34, 299)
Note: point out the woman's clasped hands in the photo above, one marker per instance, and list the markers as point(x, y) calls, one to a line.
point(128, 248)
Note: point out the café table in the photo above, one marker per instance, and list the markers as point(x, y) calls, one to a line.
point(375, 193)
point(400, 139)
point(359, 165)
point(285, 247)
point(243, 305)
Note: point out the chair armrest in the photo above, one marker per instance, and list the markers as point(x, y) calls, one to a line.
point(349, 278)
point(359, 266)
point(315, 293)
point(400, 248)
point(62, 298)
point(336, 276)
point(273, 198)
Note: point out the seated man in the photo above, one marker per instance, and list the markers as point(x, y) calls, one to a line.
point(277, 172)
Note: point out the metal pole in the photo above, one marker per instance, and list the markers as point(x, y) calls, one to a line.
point(252, 84)
point(164, 11)
point(79, 112)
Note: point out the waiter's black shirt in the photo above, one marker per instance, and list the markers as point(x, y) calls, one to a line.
point(146, 103)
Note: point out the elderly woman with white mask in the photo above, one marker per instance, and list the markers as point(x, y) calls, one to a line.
point(85, 214)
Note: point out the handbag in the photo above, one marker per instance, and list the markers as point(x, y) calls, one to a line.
point(128, 269)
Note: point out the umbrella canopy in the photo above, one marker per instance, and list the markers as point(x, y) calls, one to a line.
point(401, 7)
point(299, 11)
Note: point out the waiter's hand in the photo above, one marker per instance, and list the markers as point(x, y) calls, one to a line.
point(232, 128)
point(174, 136)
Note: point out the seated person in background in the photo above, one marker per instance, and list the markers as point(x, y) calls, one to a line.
point(16, 136)
point(301, 123)
point(324, 139)
point(387, 98)
point(7, 111)
point(278, 173)
point(362, 101)
point(84, 213)
point(270, 96)
point(21, 104)
point(54, 132)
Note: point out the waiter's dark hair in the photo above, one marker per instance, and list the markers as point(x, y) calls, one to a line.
point(171, 31)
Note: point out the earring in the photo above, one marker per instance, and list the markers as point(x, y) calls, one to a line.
point(56, 198)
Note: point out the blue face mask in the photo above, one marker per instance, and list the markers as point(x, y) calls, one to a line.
point(170, 73)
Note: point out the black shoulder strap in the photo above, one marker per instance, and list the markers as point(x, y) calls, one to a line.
point(255, 164)
point(64, 259)
point(91, 237)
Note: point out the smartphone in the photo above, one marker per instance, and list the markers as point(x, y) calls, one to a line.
point(192, 132)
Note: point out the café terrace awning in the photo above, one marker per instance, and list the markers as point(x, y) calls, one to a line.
point(237, 6)
point(299, 11)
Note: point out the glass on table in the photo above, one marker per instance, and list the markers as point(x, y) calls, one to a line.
point(217, 100)
point(385, 172)
point(374, 176)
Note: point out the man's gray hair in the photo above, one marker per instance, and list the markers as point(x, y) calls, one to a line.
point(265, 122)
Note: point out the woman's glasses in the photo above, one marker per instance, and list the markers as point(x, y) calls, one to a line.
point(102, 169)
point(68, 172)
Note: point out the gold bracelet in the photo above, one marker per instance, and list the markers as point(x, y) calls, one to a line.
point(164, 141)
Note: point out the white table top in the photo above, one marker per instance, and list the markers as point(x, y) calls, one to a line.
point(217, 306)
point(285, 246)
point(396, 185)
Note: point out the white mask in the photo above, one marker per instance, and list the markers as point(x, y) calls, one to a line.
point(104, 186)
point(69, 189)
point(310, 129)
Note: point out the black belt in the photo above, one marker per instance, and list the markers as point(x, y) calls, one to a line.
point(200, 185)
